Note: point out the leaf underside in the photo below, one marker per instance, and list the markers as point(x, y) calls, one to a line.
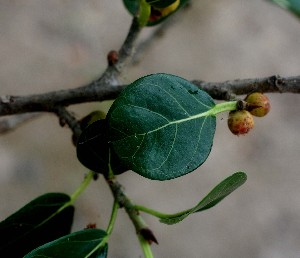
point(92, 147)
point(93, 150)
point(157, 128)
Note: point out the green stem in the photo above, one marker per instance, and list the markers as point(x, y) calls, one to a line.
point(112, 218)
point(87, 179)
point(74, 196)
point(159, 214)
point(110, 171)
point(109, 229)
point(145, 247)
point(223, 107)
point(138, 222)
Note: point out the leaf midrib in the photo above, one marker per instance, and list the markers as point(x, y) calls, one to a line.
point(193, 117)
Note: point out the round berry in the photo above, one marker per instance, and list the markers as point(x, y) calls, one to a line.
point(240, 122)
point(259, 104)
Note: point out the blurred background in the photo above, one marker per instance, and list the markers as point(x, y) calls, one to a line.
point(51, 45)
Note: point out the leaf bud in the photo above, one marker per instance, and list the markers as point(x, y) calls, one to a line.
point(112, 57)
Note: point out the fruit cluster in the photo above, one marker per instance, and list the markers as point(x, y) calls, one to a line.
point(241, 121)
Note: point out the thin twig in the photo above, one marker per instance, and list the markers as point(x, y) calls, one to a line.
point(226, 90)
point(141, 227)
point(218, 90)
point(104, 88)
point(153, 37)
point(66, 117)
point(158, 32)
point(109, 77)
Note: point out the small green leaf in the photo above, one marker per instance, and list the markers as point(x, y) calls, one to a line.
point(160, 3)
point(222, 190)
point(291, 5)
point(93, 149)
point(81, 244)
point(40, 221)
point(160, 127)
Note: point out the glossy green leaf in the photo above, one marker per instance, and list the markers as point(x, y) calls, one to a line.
point(159, 126)
point(291, 5)
point(93, 150)
point(81, 244)
point(222, 190)
point(160, 3)
point(40, 221)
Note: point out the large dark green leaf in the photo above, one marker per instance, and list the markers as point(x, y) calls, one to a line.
point(93, 149)
point(291, 5)
point(81, 244)
point(159, 126)
point(40, 221)
point(222, 190)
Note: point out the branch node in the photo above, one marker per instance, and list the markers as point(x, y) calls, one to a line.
point(277, 82)
point(6, 99)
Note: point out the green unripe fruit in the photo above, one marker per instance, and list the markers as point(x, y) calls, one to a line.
point(240, 122)
point(259, 104)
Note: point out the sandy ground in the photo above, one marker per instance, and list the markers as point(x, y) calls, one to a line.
point(48, 45)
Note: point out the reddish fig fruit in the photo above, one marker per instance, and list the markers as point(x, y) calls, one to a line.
point(240, 122)
point(259, 104)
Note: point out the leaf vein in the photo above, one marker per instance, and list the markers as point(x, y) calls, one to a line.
point(188, 114)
